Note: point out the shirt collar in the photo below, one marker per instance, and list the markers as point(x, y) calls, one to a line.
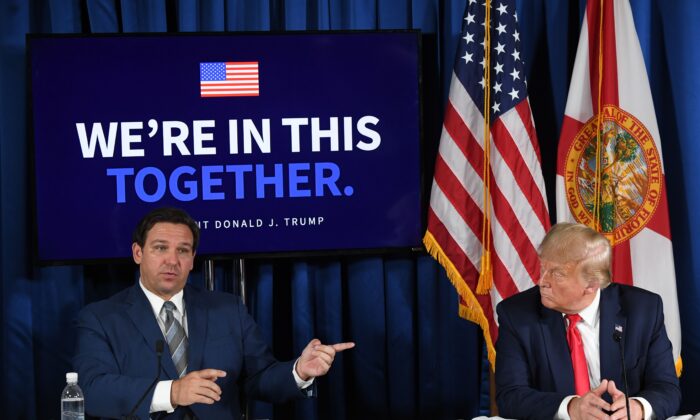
point(591, 313)
point(157, 302)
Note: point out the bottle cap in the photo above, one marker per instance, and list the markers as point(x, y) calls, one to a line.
point(72, 377)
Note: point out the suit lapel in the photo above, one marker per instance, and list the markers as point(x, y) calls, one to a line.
point(196, 327)
point(557, 349)
point(141, 315)
point(610, 315)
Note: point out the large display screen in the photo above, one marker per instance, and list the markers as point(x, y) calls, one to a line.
point(274, 143)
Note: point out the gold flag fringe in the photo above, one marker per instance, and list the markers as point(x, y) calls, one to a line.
point(472, 310)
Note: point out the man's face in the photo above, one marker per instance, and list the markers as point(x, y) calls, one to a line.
point(166, 258)
point(563, 288)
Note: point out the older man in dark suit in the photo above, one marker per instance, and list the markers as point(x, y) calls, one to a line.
point(558, 350)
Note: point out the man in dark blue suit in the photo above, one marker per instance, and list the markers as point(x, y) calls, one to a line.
point(535, 376)
point(212, 346)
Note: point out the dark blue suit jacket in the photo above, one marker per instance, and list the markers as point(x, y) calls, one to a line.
point(116, 358)
point(533, 366)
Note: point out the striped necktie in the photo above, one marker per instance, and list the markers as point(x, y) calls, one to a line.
point(176, 338)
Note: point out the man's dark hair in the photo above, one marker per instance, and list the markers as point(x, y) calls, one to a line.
point(165, 215)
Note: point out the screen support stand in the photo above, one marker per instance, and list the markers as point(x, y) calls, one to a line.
point(239, 274)
point(209, 274)
point(238, 277)
point(238, 287)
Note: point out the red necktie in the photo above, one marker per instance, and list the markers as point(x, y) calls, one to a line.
point(578, 357)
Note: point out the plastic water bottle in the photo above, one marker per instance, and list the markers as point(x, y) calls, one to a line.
point(72, 400)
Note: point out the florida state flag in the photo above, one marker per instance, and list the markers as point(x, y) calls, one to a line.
point(610, 172)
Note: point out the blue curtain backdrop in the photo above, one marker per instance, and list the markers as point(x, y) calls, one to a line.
point(415, 358)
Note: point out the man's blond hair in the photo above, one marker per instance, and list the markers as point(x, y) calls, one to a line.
point(579, 244)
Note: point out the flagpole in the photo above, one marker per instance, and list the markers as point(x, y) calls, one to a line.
point(485, 274)
point(599, 111)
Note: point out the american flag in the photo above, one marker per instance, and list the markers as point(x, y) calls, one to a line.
point(517, 199)
point(229, 79)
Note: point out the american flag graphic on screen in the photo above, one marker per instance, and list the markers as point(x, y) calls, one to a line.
point(229, 79)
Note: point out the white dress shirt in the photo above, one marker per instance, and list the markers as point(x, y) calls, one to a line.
point(161, 395)
point(589, 327)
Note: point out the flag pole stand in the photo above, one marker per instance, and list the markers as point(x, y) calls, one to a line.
point(492, 393)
